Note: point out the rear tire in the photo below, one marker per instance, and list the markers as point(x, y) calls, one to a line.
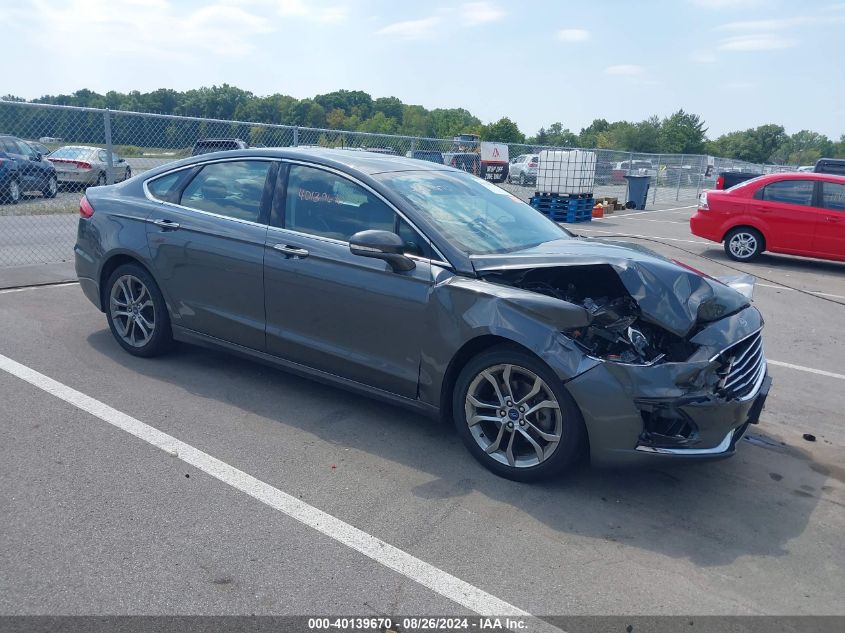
point(522, 179)
point(101, 179)
point(744, 244)
point(127, 174)
point(136, 312)
point(533, 431)
point(51, 188)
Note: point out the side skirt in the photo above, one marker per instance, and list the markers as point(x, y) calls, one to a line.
point(195, 338)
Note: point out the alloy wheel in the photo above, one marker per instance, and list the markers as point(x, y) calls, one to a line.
point(743, 245)
point(14, 192)
point(52, 187)
point(513, 415)
point(132, 311)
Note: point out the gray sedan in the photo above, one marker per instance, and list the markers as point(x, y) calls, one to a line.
point(427, 287)
point(85, 165)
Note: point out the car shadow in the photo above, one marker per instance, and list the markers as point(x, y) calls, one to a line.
point(710, 513)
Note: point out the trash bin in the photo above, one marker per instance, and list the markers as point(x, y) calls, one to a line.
point(637, 191)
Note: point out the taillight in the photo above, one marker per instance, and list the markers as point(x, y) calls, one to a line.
point(82, 165)
point(453, 163)
point(85, 208)
point(720, 182)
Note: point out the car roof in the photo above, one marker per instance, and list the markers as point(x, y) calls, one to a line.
point(363, 161)
point(367, 163)
point(800, 175)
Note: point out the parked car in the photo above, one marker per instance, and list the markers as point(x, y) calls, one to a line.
point(427, 155)
point(24, 170)
point(604, 172)
point(469, 162)
point(433, 289)
point(208, 145)
point(830, 166)
point(632, 168)
point(730, 178)
point(83, 165)
point(39, 148)
point(793, 213)
point(805, 168)
point(523, 169)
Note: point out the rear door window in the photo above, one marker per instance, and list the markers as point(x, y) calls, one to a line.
point(165, 188)
point(233, 189)
point(789, 192)
point(833, 196)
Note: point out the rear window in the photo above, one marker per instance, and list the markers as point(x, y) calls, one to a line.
point(71, 153)
point(165, 188)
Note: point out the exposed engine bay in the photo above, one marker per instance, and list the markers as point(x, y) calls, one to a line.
point(617, 330)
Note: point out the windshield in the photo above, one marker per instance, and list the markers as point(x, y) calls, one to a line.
point(478, 217)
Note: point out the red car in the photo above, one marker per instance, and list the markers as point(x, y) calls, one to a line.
point(793, 213)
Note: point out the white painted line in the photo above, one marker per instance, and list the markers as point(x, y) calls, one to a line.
point(427, 575)
point(812, 292)
point(578, 229)
point(625, 215)
point(39, 287)
point(810, 370)
point(622, 217)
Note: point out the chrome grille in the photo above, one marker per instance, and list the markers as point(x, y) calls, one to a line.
point(743, 365)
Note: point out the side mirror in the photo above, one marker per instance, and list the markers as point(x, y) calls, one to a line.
point(382, 245)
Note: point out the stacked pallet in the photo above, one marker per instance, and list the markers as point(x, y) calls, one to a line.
point(570, 208)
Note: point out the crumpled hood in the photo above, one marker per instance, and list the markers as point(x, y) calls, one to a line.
point(668, 295)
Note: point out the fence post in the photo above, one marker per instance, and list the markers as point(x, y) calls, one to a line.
point(657, 179)
point(680, 173)
point(296, 136)
point(701, 169)
point(413, 146)
point(109, 147)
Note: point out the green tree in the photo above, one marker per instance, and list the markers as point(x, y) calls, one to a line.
point(681, 133)
point(503, 130)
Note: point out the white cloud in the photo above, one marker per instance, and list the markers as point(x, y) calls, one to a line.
point(411, 29)
point(474, 13)
point(776, 24)
point(757, 42)
point(221, 29)
point(573, 35)
point(626, 70)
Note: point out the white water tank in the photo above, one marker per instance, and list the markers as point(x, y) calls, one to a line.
point(566, 171)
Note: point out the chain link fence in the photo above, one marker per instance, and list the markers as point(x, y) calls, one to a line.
point(90, 146)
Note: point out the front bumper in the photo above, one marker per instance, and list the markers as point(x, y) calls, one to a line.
point(617, 420)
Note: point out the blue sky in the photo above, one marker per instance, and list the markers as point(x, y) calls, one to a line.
point(737, 63)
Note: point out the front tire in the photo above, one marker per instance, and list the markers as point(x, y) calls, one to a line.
point(515, 417)
point(136, 312)
point(12, 195)
point(101, 179)
point(744, 244)
point(127, 174)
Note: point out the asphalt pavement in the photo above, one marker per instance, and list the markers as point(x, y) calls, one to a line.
point(98, 521)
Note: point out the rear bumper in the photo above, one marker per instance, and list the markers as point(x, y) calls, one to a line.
point(707, 227)
point(81, 177)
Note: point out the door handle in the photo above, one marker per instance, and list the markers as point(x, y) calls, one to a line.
point(290, 251)
point(167, 225)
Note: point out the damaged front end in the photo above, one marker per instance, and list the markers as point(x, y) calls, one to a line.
point(682, 361)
